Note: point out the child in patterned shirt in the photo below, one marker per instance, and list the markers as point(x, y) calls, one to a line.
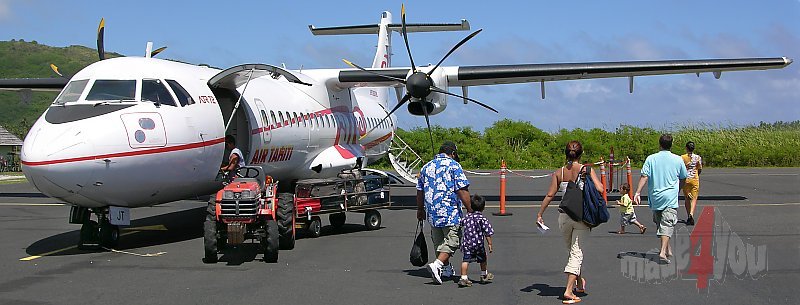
point(476, 227)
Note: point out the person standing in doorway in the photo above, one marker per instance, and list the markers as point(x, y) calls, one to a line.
point(235, 159)
point(663, 172)
point(694, 165)
point(442, 188)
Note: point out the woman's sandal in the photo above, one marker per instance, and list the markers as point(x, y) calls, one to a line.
point(583, 287)
point(572, 300)
point(642, 230)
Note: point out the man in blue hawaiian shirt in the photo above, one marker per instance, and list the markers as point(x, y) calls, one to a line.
point(442, 188)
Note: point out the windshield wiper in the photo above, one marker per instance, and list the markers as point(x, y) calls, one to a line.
point(115, 102)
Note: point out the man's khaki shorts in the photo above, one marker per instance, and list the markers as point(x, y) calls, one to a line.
point(665, 221)
point(446, 239)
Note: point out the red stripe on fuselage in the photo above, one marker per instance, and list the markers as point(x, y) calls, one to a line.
point(129, 153)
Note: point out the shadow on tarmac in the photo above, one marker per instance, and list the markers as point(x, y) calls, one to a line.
point(545, 290)
point(181, 226)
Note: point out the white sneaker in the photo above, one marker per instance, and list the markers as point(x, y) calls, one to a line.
point(448, 271)
point(436, 272)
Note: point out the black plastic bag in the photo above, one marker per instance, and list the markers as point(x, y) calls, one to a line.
point(419, 250)
point(572, 200)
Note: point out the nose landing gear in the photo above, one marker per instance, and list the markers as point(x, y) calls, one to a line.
point(95, 234)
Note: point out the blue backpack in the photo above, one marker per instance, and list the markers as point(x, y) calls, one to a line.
point(595, 211)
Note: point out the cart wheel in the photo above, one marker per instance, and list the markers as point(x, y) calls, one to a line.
point(314, 227)
point(337, 220)
point(372, 219)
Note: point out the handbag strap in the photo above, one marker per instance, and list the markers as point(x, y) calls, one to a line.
point(578, 177)
point(420, 225)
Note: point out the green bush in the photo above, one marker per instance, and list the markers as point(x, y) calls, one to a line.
point(524, 146)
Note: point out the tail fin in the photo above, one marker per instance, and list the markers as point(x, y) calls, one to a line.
point(383, 29)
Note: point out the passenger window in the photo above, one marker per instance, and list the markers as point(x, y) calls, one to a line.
point(328, 121)
point(316, 119)
point(288, 119)
point(272, 114)
point(305, 120)
point(264, 118)
point(72, 92)
point(280, 114)
point(183, 96)
point(119, 90)
point(153, 90)
point(296, 119)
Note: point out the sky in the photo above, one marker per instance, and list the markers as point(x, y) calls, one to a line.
point(228, 33)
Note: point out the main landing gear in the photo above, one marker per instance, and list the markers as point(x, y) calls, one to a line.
point(95, 234)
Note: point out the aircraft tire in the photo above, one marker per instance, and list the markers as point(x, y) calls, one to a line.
point(89, 234)
point(109, 235)
point(285, 216)
point(270, 242)
point(210, 239)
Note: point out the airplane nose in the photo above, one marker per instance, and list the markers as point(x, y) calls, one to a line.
point(52, 160)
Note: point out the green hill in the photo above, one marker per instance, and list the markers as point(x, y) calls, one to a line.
point(21, 59)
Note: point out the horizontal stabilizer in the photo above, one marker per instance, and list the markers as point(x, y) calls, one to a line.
point(397, 27)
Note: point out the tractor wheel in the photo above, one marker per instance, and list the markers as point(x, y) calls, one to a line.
point(270, 242)
point(372, 219)
point(210, 239)
point(337, 220)
point(285, 214)
point(109, 235)
point(314, 227)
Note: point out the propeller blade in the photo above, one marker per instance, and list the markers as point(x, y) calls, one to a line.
point(55, 69)
point(405, 37)
point(428, 122)
point(399, 104)
point(100, 29)
point(436, 89)
point(350, 63)
point(463, 41)
point(156, 51)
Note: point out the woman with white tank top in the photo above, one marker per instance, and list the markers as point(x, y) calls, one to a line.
point(575, 232)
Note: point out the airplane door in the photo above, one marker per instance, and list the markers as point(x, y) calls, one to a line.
point(266, 133)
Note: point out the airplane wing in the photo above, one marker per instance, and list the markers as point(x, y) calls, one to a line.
point(36, 84)
point(464, 76)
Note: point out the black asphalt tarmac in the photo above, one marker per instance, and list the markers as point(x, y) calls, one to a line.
point(754, 251)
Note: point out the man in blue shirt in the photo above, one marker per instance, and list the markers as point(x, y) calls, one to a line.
point(663, 172)
point(441, 190)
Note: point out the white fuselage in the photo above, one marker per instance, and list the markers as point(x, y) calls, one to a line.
point(94, 151)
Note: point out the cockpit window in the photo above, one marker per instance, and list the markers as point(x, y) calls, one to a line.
point(72, 92)
point(112, 89)
point(153, 90)
point(183, 96)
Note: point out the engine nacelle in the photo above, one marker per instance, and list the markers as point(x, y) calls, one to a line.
point(434, 102)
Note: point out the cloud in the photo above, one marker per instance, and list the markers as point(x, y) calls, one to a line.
point(5, 10)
